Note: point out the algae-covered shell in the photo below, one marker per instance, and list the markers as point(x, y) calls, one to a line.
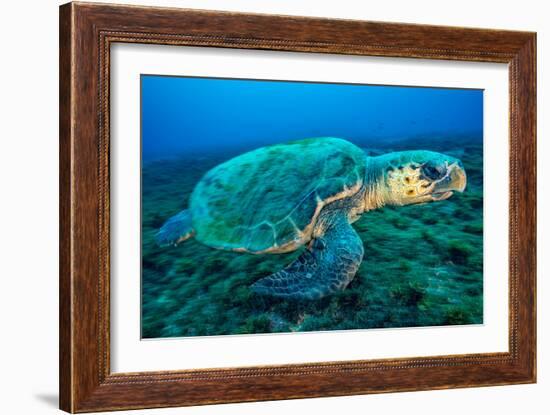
point(268, 200)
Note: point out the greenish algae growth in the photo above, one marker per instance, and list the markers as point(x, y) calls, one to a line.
point(423, 264)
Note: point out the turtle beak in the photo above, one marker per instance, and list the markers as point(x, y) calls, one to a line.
point(454, 181)
point(458, 178)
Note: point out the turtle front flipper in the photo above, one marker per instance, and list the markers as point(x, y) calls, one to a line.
point(327, 265)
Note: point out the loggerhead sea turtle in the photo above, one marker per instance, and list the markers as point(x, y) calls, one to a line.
point(279, 198)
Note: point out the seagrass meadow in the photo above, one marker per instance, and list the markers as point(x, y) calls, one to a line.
point(423, 264)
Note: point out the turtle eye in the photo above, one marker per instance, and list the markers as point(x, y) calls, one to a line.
point(432, 172)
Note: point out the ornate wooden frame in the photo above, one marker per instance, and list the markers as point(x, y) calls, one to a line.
point(86, 33)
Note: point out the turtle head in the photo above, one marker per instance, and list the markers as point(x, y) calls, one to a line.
point(412, 177)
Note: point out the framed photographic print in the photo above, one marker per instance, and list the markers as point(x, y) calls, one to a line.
point(259, 207)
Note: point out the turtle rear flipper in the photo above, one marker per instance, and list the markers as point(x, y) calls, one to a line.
point(328, 265)
point(176, 229)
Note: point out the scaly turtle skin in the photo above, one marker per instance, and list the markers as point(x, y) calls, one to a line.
point(279, 198)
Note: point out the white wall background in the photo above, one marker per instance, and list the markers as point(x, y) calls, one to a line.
point(29, 192)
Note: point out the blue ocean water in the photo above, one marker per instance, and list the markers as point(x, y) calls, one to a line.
point(423, 264)
point(200, 115)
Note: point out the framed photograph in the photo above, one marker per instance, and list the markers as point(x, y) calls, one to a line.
point(259, 207)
